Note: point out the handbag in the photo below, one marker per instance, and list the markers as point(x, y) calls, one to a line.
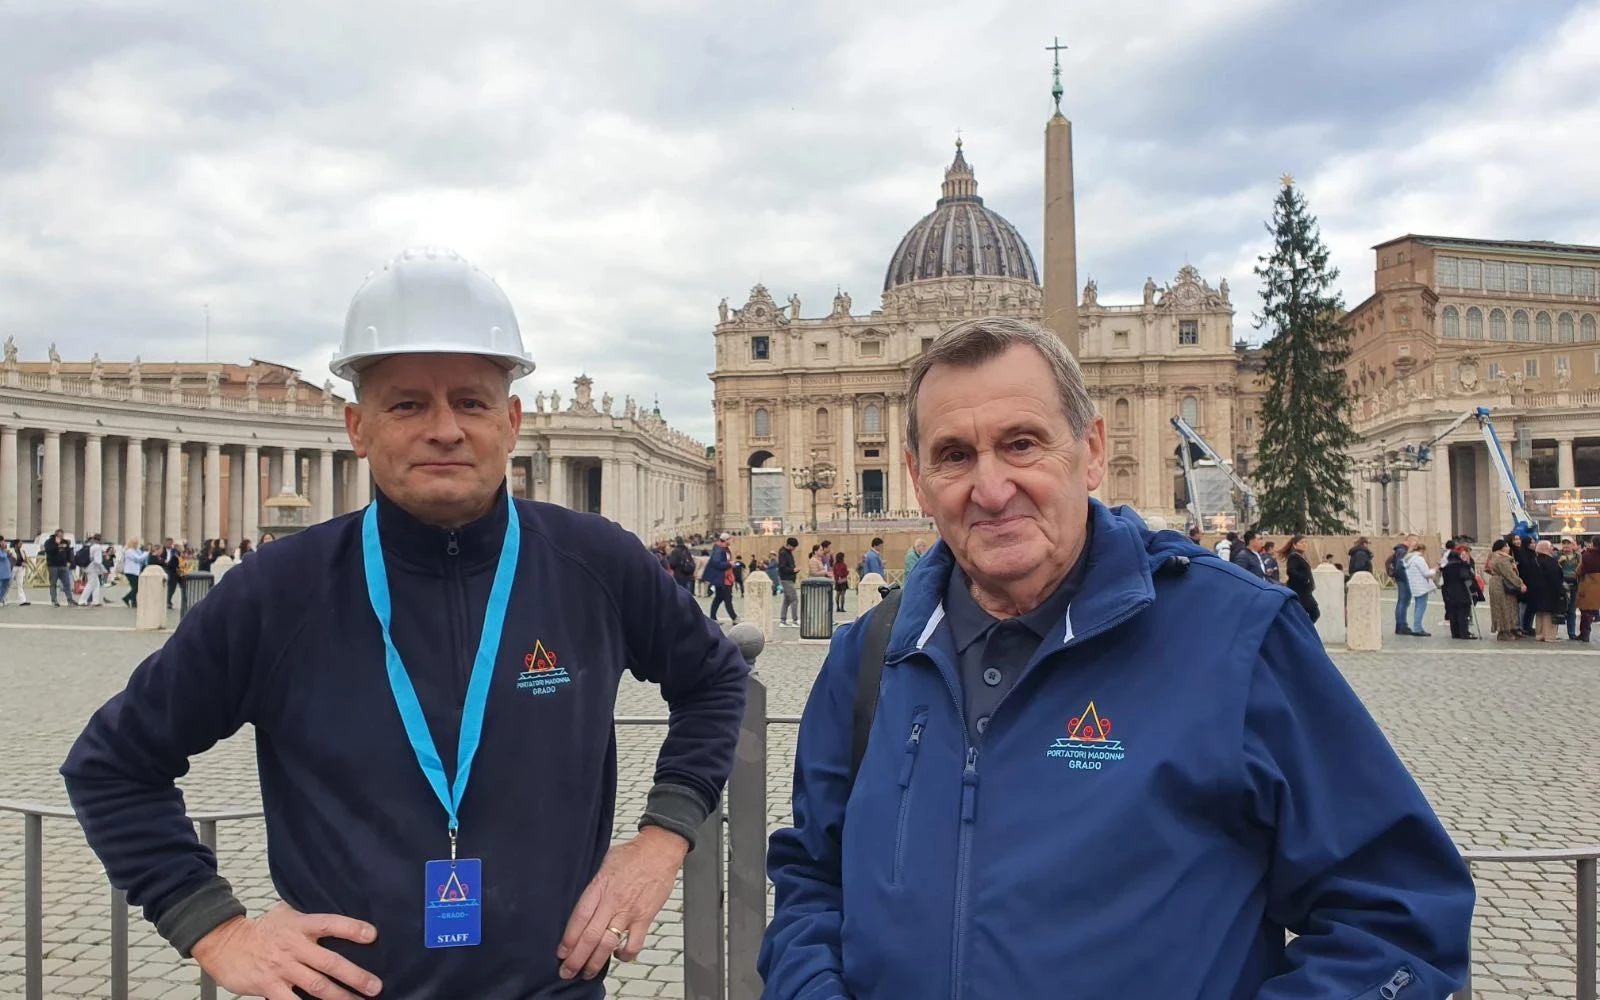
point(1511, 588)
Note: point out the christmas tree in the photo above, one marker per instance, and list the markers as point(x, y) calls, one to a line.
point(1302, 466)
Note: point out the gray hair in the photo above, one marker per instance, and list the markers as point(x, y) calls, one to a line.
point(976, 341)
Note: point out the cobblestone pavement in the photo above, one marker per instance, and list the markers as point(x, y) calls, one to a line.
point(1502, 737)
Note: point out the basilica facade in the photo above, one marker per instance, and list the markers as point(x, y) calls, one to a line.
point(827, 392)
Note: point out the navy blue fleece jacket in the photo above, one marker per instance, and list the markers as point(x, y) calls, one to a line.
point(288, 642)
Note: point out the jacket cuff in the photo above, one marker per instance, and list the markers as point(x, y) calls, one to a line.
point(677, 809)
point(194, 916)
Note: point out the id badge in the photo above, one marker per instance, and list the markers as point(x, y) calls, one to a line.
point(453, 890)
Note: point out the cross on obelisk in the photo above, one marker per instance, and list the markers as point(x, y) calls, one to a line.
point(1055, 90)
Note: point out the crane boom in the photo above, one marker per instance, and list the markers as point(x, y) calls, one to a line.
point(1246, 495)
point(1423, 453)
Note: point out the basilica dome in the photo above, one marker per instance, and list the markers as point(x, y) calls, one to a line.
point(960, 238)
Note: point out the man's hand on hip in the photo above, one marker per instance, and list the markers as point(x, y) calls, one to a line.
point(615, 912)
point(270, 956)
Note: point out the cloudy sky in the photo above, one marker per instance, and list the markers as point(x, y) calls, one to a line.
point(621, 166)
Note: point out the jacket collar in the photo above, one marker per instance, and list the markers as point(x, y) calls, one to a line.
point(406, 538)
point(1116, 584)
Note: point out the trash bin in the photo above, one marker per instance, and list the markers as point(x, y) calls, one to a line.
point(195, 586)
point(816, 608)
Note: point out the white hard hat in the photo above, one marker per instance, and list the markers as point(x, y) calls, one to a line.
point(429, 301)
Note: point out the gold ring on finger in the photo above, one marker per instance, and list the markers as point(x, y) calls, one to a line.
point(622, 936)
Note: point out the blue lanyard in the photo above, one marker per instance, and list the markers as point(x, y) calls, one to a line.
point(405, 694)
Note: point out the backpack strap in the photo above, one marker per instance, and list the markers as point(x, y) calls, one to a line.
point(873, 649)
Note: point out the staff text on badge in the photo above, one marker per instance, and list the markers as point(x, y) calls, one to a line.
point(453, 917)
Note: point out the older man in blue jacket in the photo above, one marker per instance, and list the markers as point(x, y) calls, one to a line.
point(1102, 762)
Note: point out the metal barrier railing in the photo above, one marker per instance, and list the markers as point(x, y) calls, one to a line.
point(724, 880)
point(1584, 860)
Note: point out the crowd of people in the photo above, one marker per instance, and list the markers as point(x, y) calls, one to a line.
point(80, 573)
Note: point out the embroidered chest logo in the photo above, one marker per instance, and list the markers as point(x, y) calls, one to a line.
point(540, 673)
point(1088, 745)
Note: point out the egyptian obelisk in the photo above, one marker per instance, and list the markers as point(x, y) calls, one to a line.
point(1060, 224)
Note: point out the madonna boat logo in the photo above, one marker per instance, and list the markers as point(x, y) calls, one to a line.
point(1088, 745)
point(540, 674)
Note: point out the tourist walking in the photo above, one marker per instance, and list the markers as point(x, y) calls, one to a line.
point(1419, 581)
point(1506, 591)
point(134, 560)
point(19, 570)
point(6, 570)
point(58, 568)
point(787, 574)
point(1588, 587)
point(718, 575)
point(1298, 569)
point(841, 580)
point(1545, 591)
point(1459, 590)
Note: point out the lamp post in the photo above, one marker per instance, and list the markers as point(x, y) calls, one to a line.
point(849, 501)
point(813, 480)
point(1380, 471)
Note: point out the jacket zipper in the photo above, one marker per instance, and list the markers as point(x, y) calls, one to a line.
point(913, 744)
point(1397, 982)
point(452, 549)
point(969, 807)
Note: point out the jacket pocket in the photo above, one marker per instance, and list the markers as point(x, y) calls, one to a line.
point(919, 721)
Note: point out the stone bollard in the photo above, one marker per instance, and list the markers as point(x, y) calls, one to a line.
point(1330, 600)
point(748, 638)
point(1365, 623)
point(758, 603)
point(867, 596)
point(151, 615)
point(220, 566)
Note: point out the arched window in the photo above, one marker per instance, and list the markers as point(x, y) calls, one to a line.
point(1189, 409)
point(1474, 323)
point(1121, 417)
point(1123, 485)
point(1565, 329)
point(1497, 325)
point(1452, 322)
point(1586, 329)
point(1519, 326)
point(1542, 328)
point(763, 423)
point(872, 419)
point(822, 421)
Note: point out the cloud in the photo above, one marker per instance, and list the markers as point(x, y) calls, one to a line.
point(621, 166)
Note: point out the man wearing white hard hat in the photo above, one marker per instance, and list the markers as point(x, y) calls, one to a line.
point(432, 683)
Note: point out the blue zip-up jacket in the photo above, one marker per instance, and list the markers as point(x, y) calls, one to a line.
point(288, 641)
point(717, 566)
point(1166, 790)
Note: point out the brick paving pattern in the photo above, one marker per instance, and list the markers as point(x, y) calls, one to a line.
point(1502, 738)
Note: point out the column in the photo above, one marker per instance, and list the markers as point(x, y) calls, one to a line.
point(111, 525)
point(69, 487)
point(1566, 477)
point(210, 490)
point(50, 489)
point(235, 497)
point(1443, 510)
point(93, 484)
point(363, 483)
point(610, 489)
point(172, 516)
point(846, 423)
point(896, 454)
point(558, 482)
point(275, 464)
point(151, 456)
point(735, 509)
point(133, 490)
point(324, 484)
point(9, 488)
point(628, 490)
point(195, 509)
point(250, 487)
